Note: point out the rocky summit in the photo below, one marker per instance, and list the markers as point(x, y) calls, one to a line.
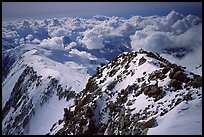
point(136, 93)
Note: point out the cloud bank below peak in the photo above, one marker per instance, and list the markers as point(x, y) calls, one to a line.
point(171, 31)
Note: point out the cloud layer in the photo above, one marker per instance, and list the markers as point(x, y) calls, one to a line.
point(108, 34)
point(172, 31)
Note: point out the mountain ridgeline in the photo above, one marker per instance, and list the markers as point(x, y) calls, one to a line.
point(129, 95)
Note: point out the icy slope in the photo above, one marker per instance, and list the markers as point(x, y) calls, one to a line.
point(136, 93)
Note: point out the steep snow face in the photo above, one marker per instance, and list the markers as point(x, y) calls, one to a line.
point(38, 86)
point(136, 93)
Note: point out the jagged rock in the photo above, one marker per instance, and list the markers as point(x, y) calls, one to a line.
point(111, 85)
point(89, 112)
point(91, 85)
point(179, 100)
point(112, 106)
point(175, 69)
point(166, 70)
point(129, 103)
point(197, 82)
point(142, 61)
point(113, 72)
point(84, 101)
point(150, 123)
point(188, 96)
point(175, 84)
point(92, 129)
point(67, 115)
point(154, 90)
point(151, 90)
point(180, 76)
point(156, 75)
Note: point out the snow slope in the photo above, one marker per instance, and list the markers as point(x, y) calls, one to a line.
point(137, 93)
point(37, 72)
point(176, 121)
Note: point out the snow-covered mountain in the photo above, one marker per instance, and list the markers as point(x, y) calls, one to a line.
point(46, 63)
point(32, 88)
point(137, 93)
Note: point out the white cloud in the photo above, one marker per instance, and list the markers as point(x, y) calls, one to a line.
point(22, 41)
point(9, 34)
point(82, 54)
point(171, 31)
point(58, 32)
point(36, 41)
point(153, 33)
point(92, 40)
point(172, 17)
point(108, 29)
point(29, 37)
point(71, 45)
point(53, 42)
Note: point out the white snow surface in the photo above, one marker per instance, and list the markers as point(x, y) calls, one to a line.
point(184, 119)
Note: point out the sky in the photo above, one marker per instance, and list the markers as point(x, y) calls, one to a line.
point(13, 10)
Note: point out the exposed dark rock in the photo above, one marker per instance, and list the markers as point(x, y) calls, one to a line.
point(157, 74)
point(197, 82)
point(151, 90)
point(188, 96)
point(179, 100)
point(89, 112)
point(112, 106)
point(92, 128)
point(83, 101)
point(142, 61)
point(166, 70)
point(91, 85)
point(150, 123)
point(175, 69)
point(180, 76)
point(175, 84)
point(111, 85)
point(113, 72)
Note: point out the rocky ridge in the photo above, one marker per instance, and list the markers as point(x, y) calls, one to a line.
point(128, 95)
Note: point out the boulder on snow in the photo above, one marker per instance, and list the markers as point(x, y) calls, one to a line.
point(142, 61)
point(150, 123)
point(174, 70)
point(175, 84)
point(166, 70)
point(157, 74)
point(188, 96)
point(151, 90)
point(197, 82)
point(180, 76)
point(111, 85)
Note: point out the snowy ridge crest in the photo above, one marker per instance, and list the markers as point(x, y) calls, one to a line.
point(133, 95)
